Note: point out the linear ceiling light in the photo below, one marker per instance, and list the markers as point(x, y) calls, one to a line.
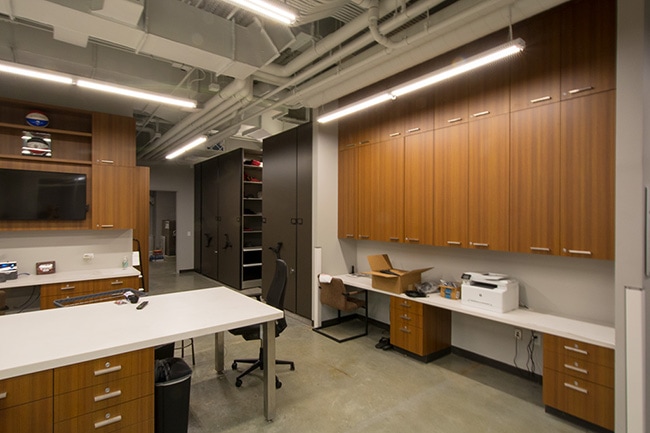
point(26, 71)
point(192, 144)
point(268, 9)
point(138, 94)
point(44, 74)
point(446, 73)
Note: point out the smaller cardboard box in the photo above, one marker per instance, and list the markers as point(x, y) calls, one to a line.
point(450, 292)
point(385, 277)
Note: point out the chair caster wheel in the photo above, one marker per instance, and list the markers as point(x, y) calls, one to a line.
point(278, 384)
point(238, 383)
point(234, 366)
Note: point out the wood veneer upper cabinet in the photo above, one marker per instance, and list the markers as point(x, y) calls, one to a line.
point(418, 188)
point(450, 186)
point(588, 47)
point(588, 174)
point(535, 72)
point(390, 119)
point(450, 103)
point(348, 198)
point(113, 140)
point(112, 197)
point(365, 172)
point(387, 190)
point(418, 112)
point(535, 180)
point(489, 183)
point(489, 91)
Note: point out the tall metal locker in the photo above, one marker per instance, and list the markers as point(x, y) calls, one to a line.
point(208, 176)
point(287, 211)
point(229, 218)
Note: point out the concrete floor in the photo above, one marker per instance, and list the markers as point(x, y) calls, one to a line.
point(352, 386)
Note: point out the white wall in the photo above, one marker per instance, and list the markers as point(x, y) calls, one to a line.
point(179, 179)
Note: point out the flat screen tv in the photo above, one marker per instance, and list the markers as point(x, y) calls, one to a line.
point(42, 195)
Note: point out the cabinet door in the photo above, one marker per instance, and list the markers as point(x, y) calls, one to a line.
point(228, 244)
point(450, 186)
point(450, 103)
point(113, 140)
point(418, 112)
point(391, 119)
point(365, 170)
point(588, 175)
point(489, 182)
point(112, 197)
point(209, 174)
point(588, 47)
point(535, 180)
point(418, 188)
point(489, 91)
point(34, 417)
point(535, 72)
point(303, 245)
point(347, 197)
point(387, 191)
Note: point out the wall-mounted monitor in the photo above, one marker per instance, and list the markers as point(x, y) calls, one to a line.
point(42, 195)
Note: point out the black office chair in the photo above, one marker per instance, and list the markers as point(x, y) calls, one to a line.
point(275, 298)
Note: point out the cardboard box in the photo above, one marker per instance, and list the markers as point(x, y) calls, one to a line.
point(392, 280)
point(450, 292)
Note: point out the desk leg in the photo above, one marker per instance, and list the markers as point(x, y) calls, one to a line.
point(218, 352)
point(268, 348)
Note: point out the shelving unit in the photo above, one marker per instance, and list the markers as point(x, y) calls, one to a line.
point(252, 219)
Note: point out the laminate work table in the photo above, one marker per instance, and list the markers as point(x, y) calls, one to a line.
point(592, 333)
point(47, 339)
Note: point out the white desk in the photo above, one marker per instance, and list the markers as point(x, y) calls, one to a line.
point(527, 319)
point(47, 339)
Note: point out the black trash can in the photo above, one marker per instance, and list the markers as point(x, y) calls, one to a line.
point(172, 395)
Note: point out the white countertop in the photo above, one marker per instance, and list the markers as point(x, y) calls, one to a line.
point(69, 276)
point(45, 339)
point(547, 323)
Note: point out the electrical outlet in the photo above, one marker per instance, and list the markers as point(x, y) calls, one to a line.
point(88, 256)
point(518, 333)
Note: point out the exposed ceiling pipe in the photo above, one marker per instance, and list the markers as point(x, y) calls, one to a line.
point(211, 107)
point(373, 26)
point(320, 12)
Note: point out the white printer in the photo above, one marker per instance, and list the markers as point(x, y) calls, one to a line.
point(495, 292)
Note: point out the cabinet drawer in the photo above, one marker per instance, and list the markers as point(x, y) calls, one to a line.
point(406, 305)
point(408, 338)
point(114, 418)
point(23, 389)
point(116, 283)
point(98, 397)
point(570, 365)
point(67, 289)
point(34, 417)
point(404, 316)
point(102, 370)
point(581, 398)
point(579, 350)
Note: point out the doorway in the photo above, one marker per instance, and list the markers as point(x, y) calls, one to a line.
point(162, 225)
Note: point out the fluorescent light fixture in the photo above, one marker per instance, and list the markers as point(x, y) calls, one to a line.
point(139, 94)
point(268, 9)
point(192, 144)
point(357, 106)
point(29, 72)
point(446, 73)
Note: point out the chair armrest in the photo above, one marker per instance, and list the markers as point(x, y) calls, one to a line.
point(354, 292)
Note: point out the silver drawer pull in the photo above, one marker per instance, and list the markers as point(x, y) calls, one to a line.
point(581, 89)
point(453, 243)
point(108, 370)
point(394, 134)
point(107, 396)
point(116, 282)
point(68, 287)
point(405, 304)
point(574, 349)
point(393, 239)
point(480, 113)
point(3, 395)
point(582, 252)
point(413, 130)
point(575, 388)
point(454, 120)
point(405, 330)
point(542, 99)
point(350, 145)
point(405, 317)
point(412, 240)
point(106, 161)
point(478, 244)
point(349, 236)
point(106, 226)
point(364, 236)
point(546, 250)
point(108, 421)
point(364, 142)
point(578, 369)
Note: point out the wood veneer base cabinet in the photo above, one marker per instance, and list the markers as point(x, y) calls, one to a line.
point(26, 405)
point(579, 380)
point(53, 292)
point(422, 330)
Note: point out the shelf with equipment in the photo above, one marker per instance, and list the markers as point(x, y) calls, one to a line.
point(252, 219)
